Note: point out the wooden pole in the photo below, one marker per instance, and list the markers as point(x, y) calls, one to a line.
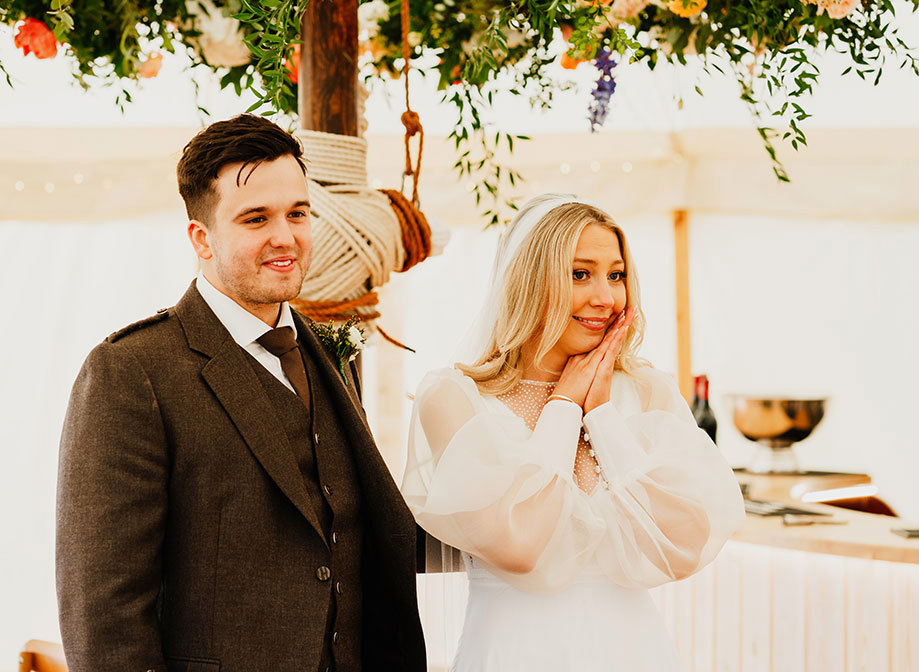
point(328, 67)
point(683, 332)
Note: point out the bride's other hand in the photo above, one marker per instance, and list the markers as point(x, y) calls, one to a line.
point(599, 390)
point(580, 370)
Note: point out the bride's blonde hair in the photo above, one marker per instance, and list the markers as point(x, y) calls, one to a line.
point(536, 296)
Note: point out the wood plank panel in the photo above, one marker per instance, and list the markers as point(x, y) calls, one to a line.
point(825, 600)
point(703, 622)
point(788, 611)
point(867, 615)
point(727, 607)
point(904, 618)
point(756, 609)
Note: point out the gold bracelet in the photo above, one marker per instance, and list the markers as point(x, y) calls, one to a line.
point(563, 398)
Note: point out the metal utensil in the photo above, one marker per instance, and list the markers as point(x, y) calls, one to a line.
point(795, 520)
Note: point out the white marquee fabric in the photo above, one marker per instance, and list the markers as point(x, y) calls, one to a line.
point(797, 288)
point(90, 173)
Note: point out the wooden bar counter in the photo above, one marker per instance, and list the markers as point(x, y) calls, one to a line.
point(810, 598)
point(864, 535)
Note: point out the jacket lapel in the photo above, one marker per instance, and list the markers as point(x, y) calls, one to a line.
point(386, 506)
point(230, 376)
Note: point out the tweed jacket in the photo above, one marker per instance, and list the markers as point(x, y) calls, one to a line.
point(186, 538)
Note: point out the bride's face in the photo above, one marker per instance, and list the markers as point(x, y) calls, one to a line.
point(598, 291)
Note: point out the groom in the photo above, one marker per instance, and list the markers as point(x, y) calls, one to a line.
point(222, 506)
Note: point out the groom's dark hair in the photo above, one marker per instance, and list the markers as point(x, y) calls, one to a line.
point(245, 139)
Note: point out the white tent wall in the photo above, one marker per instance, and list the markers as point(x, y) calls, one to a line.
point(67, 285)
point(799, 289)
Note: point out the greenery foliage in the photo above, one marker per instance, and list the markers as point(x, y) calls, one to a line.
point(476, 48)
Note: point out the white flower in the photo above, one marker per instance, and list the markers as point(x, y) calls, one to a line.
point(369, 15)
point(356, 337)
point(221, 40)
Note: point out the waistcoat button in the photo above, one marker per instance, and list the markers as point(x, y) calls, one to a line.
point(338, 587)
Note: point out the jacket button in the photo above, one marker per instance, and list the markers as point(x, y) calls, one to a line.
point(328, 489)
point(338, 587)
point(323, 573)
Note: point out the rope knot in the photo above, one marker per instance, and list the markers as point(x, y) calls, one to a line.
point(412, 122)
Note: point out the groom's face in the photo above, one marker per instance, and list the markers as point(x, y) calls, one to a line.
point(257, 247)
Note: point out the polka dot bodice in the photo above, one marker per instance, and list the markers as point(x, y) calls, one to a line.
point(526, 401)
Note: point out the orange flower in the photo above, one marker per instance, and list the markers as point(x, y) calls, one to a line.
point(373, 48)
point(152, 65)
point(35, 37)
point(570, 63)
point(293, 64)
point(687, 8)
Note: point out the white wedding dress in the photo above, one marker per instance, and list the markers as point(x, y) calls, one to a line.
point(558, 577)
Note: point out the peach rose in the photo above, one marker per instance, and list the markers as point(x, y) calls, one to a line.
point(628, 9)
point(687, 9)
point(839, 9)
point(151, 67)
point(35, 37)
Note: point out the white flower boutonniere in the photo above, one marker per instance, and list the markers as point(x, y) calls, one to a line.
point(344, 342)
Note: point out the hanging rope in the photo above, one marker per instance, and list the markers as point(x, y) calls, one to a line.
point(416, 234)
point(410, 118)
point(360, 234)
point(338, 311)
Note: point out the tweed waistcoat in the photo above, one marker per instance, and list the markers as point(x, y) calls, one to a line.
point(328, 470)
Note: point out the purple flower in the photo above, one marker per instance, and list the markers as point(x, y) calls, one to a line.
point(606, 84)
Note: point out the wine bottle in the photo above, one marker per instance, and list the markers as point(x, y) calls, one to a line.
point(702, 411)
point(695, 395)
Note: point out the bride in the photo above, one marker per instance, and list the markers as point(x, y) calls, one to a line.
point(569, 472)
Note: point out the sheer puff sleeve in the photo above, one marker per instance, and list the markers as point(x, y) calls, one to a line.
point(478, 479)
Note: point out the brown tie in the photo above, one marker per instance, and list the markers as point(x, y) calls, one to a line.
point(281, 343)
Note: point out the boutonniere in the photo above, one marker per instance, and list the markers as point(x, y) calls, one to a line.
point(344, 342)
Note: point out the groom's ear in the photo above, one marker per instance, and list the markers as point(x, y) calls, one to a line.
point(198, 235)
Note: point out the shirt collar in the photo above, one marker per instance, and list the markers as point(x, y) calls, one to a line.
point(243, 326)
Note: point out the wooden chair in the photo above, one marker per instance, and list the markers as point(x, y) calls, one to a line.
point(39, 656)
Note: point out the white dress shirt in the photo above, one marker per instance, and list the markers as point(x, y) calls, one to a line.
point(245, 327)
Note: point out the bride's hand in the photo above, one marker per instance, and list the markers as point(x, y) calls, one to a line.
point(599, 390)
point(580, 370)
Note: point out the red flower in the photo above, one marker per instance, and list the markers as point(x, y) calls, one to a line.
point(293, 64)
point(35, 37)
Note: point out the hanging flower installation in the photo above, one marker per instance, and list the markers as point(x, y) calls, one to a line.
point(484, 46)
